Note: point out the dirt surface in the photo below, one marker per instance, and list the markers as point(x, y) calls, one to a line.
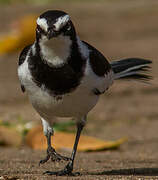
point(129, 109)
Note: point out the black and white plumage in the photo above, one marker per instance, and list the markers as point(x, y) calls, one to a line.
point(64, 76)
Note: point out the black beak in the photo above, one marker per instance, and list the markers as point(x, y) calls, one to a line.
point(52, 34)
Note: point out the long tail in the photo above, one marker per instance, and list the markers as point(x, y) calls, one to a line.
point(131, 68)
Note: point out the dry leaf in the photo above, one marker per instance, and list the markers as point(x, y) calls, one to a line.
point(9, 137)
point(23, 35)
point(61, 140)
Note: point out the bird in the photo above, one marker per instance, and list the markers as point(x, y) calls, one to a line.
point(64, 76)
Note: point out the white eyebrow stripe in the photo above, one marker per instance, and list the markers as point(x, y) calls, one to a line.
point(61, 21)
point(42, 22)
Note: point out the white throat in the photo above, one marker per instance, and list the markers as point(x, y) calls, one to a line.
point(56, 50)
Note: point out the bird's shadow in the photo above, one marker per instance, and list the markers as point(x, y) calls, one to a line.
point(128, 172)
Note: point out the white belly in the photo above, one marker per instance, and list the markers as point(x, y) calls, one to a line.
point(76, 104)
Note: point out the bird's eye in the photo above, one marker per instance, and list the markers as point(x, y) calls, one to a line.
point(39, 29)
point(53, 27)
point(68, 26)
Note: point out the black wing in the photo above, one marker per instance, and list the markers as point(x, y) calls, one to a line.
point(23, 54)
point(22, 58)
point(98, 62)
point(100, 67)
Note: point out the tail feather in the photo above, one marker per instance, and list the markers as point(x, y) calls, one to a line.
point(131, 68)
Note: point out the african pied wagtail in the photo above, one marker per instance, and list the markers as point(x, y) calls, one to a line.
point(64, 76)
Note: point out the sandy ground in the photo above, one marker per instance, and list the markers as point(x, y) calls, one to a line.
point(129, 109)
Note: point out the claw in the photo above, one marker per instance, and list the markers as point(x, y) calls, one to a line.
point(66, 171)
point(58, 173)
point(54, 156)
point(61, 173)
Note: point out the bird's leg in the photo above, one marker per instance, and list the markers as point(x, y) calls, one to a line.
point(69, 167)
point(51, 153)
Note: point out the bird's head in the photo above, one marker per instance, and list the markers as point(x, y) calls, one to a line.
point(54, 24)
point(55, 35)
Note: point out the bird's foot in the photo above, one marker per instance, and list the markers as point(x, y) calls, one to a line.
point(66, 171)
point(54, 156)
point(59, 173)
